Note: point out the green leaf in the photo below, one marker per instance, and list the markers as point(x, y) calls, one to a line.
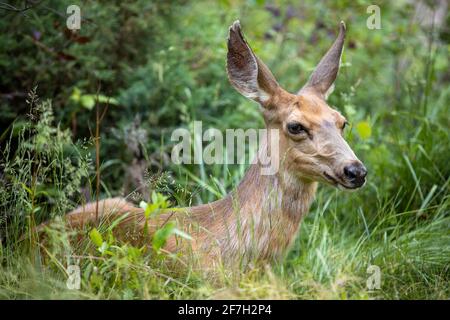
point(364, 130)
point(87, 101)
point(182, 234)
point(108, 100)
point(161, 235)
point(30, 192)
point(96, 237)
point(76, 95)
point(143, 205)
point(103, 248)
point(149, 208)
point(154, 197)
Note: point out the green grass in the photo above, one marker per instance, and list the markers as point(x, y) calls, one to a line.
point(392, 88)
point(403, 232)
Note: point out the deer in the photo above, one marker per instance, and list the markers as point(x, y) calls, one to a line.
point(259, 220)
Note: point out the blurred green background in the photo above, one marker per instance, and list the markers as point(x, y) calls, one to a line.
point(161, 65)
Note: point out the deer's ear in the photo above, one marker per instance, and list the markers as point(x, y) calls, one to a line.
point(249, 75)
point(323, 77)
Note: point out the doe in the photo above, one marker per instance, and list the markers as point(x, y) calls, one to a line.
point(259, 220)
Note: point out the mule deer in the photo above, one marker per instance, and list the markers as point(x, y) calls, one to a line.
point(259, 220)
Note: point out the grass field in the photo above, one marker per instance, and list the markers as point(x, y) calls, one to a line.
point(393, 87)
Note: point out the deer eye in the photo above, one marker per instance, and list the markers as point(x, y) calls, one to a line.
point(296, 128)
point(344, 125)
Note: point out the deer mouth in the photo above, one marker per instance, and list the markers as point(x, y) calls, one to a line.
point(335, 182)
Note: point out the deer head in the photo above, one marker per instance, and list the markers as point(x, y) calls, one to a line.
point(311, 143)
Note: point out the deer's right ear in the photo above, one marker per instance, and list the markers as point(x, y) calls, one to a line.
point(323, 77)
point(249, 75)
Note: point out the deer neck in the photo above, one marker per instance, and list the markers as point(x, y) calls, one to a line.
point(270, 208)
point(260, 219)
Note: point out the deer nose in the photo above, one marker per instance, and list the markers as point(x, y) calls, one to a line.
point(355, 173)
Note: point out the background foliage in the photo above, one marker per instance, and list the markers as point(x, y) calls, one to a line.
point(160, 65)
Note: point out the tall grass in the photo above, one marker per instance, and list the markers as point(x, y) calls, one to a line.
point(398, 222)
point(401, 228)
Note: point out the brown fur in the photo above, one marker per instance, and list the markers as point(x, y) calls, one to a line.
point(259, 220)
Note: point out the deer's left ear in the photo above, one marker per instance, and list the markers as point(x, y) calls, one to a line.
point(322, 79)
point(246, 72)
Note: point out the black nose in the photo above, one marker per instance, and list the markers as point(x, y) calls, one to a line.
point(355, 173)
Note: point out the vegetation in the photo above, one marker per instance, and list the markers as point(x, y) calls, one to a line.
point(143, 69)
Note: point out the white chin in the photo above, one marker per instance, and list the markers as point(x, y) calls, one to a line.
point(341, 187)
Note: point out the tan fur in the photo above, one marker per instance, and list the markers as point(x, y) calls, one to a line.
point(259, 220)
